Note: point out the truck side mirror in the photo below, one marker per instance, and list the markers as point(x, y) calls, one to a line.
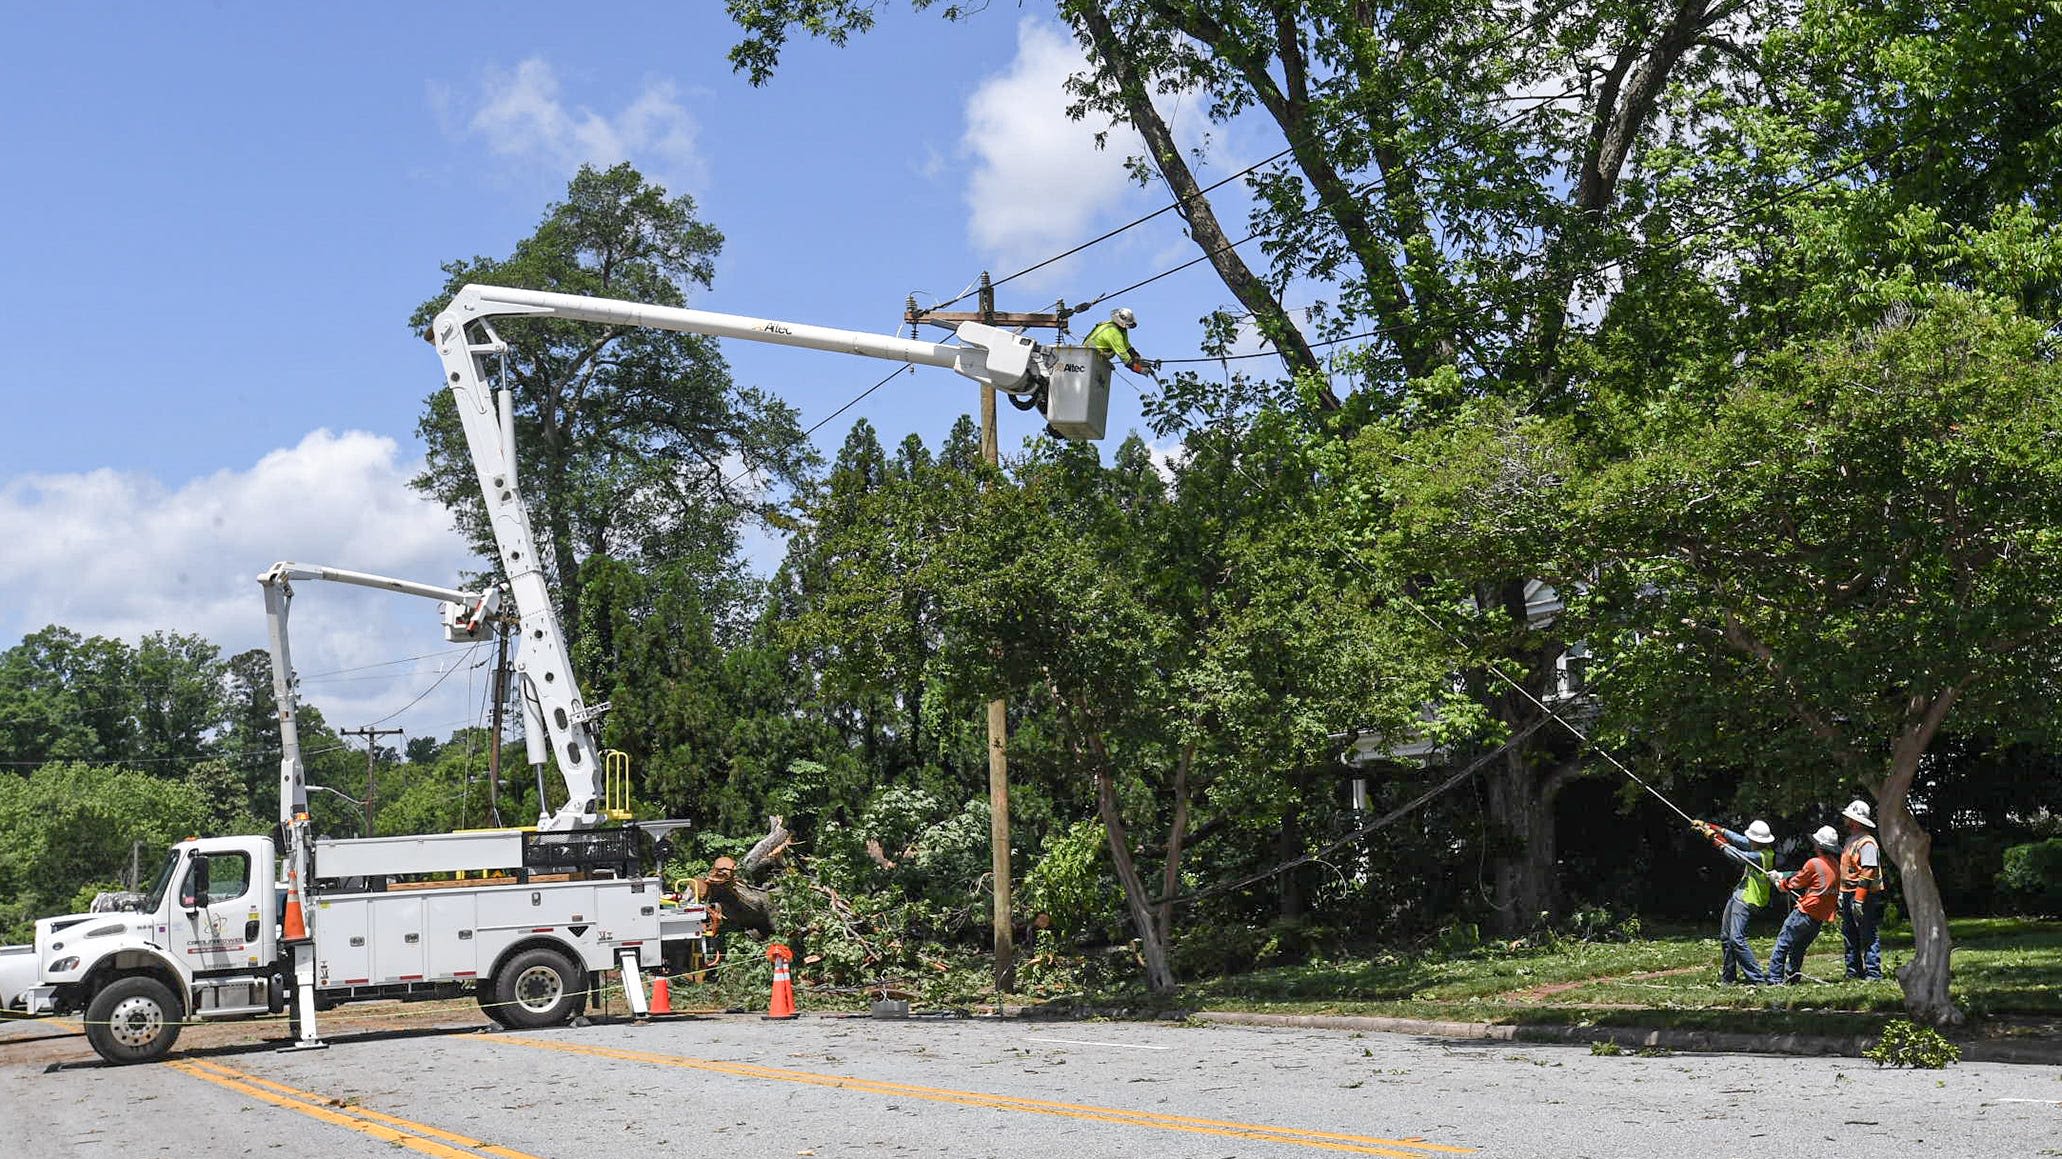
point(196, 892)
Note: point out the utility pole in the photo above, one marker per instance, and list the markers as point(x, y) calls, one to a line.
point(998, 709)
point(371, 736)
point(494, 744)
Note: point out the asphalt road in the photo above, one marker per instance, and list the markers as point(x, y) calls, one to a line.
point(740, 1087)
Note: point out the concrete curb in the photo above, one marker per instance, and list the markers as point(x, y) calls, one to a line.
point(2041, 1051)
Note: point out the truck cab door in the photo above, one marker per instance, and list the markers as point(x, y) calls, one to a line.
point(217, 919)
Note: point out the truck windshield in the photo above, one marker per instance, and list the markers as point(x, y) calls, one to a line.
point(164, 882)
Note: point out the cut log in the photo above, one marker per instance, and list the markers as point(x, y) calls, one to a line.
point(765, 855)
point(743, 905)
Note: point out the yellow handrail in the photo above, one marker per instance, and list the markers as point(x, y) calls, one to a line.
point(615, 785)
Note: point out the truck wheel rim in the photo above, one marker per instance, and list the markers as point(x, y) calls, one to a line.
point(136, 1022)
point(538, 988)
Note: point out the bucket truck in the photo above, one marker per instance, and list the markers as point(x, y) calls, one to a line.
point(233, 930)
point(237, 927)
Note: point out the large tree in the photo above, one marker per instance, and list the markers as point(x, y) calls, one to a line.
point(158, 704)
point(1507, 202)
point(1191, 646)
point(632, 443)
point(1453, 180)
point(1850, 549)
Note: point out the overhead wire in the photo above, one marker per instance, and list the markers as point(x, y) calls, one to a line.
point(1365, 189)
point(432, 688)
point(333, 672)
point(1382, 822)
point(802, 438)
point(1539, 101)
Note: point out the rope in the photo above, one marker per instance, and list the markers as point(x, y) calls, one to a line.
point(1382, 822)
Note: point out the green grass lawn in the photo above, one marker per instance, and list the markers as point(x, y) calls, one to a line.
point(2005, 970)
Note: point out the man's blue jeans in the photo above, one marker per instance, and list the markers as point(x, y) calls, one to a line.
point(1786, 963)
point(1860, 926)
point(1737, 961)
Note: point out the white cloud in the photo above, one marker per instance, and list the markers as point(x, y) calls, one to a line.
point(122, 555)
point(522, 116)
point(1038, 181)
point(1168, 457)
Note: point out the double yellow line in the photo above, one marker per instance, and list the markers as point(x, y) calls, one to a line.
point(1411, 1148)
point(386, 1128)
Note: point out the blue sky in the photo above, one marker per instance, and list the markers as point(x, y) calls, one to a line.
point(218, 218)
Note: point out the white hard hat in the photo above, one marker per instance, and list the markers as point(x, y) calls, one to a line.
point(1760, 834)
point(1123, 316)
point(1858, 810)
point(1826, 838)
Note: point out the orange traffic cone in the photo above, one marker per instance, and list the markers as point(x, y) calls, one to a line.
point(781, 1004)
point(296, 925)
point(662, 995)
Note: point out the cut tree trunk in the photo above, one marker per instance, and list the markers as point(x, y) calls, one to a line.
point(744, 905)
point(1159, 973)
point(743, 902)
point(765, 855)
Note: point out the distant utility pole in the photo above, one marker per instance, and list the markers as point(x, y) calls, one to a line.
point(998, 709)
point(371, 736)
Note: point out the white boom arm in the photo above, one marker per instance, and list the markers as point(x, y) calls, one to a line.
point(465, 615)
point(465, 340)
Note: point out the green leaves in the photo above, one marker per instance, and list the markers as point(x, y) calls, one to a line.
point(631, 443)
point(68, 824)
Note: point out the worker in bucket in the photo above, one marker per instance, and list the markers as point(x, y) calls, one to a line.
point(1114, 339)
point(1755, 851)
point(1814, 887)
point(1861, 893)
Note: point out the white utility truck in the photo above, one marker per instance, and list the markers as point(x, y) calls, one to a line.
point(526, 921)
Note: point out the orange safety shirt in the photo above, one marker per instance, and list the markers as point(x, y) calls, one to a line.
point(1815, 886)
point(1853, 873)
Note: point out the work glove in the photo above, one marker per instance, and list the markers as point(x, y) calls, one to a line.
point(1775, 878)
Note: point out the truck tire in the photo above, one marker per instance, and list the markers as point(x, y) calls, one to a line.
point(133, 1019)
point(490, 1005)
point(539, 987)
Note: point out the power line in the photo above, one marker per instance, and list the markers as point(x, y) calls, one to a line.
point(1642, 252)
point(368, 667)
point(432, 688)
point(855, 400)
point(1366, 189)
